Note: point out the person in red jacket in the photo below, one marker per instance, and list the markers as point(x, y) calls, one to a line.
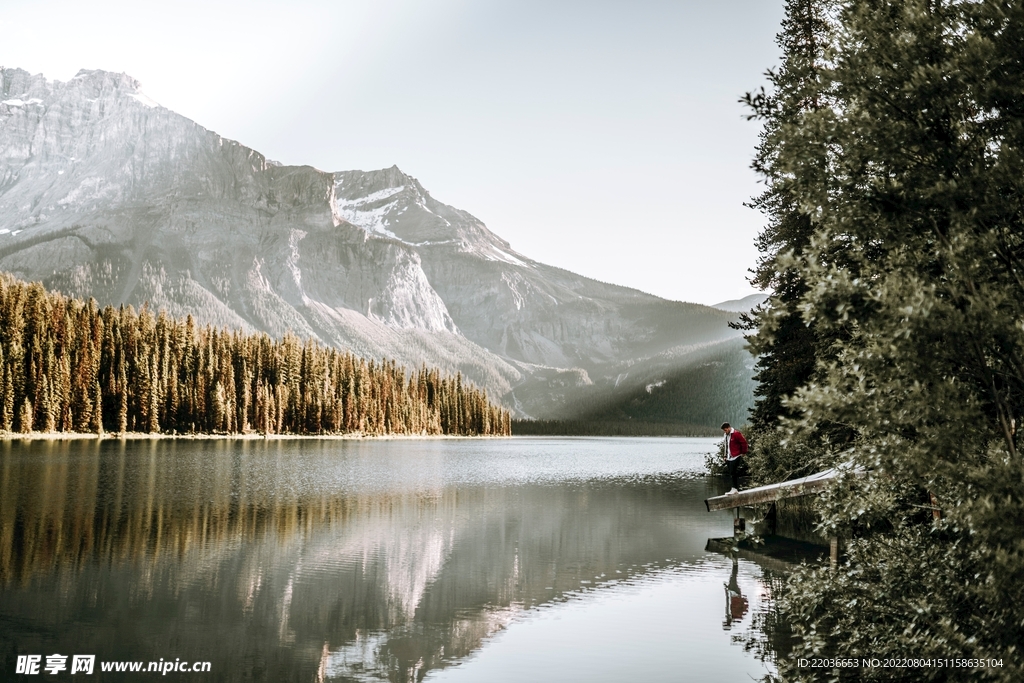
point(735, 448)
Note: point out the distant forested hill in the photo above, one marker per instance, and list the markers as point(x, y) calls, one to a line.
point(714, 387)
point(715, 390)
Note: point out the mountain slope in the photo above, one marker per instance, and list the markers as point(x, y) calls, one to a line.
point(104, 193)
point(744, 305)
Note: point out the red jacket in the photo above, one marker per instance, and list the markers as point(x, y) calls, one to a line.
point(737, 445)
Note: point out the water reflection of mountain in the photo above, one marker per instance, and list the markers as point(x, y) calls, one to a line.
point(129, 553)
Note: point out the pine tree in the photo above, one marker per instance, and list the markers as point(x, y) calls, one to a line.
point(7, 407)
point(156, 373)
point(96, 416)
point(25, 417)
point(153, 405)
point(913, 272)
point(122, 395)
point(785, 345)
point(47, 416)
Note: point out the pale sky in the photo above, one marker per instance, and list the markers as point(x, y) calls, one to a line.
point(601, 137)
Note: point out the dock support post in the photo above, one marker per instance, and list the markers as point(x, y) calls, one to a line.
point(936, 510)
point(833, 552)
point(772, 519)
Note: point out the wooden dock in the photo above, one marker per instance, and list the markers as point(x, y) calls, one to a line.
point(805, 486)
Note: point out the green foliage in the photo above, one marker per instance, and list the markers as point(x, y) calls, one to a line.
point(71, 367)
point(786, 347)
point(714, 461)
point(887, 603)
point(774, 458)
point(908, 165)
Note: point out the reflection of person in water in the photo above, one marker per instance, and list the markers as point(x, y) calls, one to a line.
point(735, 603)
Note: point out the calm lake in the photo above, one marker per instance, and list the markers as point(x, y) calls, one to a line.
point(522, 559)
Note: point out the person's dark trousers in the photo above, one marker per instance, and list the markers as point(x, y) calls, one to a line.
point(734, 472)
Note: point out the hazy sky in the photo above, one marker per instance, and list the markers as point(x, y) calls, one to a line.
point(602, 137)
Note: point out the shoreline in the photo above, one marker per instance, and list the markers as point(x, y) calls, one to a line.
point(144, 436)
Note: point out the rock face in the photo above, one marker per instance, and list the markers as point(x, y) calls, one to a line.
point(105, 193)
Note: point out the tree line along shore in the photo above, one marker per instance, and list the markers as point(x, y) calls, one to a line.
point(609, 427)
point(70, 367)
point(892, 152)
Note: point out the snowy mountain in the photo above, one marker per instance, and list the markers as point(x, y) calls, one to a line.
point(105, 193)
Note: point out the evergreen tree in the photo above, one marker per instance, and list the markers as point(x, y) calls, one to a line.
point(96, 416)
point(122, 395)
point(913, 180)
point(25, 417)
point(7, 409)
point(134, 370)
point(786, 346)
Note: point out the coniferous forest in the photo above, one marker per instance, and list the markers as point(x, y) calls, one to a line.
point(68, 366)
point(892, 152)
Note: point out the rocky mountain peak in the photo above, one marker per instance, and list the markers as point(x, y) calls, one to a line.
point(390, 203)
point(97, 83)
point(380, 202)
point(352, 184)
point(104, 193)
point(90, 84)
point(20, 84)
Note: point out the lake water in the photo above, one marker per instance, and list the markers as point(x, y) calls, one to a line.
point(523, 559)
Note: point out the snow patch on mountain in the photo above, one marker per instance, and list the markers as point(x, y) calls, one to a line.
point(292, 261)
point(368, 212)
point(513, 281)
point(654, 385)
point(144, 99)
point(495, 254)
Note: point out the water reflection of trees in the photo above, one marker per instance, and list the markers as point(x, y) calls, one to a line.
point(66, 511)
point(386, 584)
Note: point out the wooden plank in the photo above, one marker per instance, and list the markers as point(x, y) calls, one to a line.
point(805, 486)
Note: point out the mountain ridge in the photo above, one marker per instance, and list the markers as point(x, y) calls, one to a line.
point(105, 193)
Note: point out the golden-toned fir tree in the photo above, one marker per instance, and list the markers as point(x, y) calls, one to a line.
point(67, 366)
